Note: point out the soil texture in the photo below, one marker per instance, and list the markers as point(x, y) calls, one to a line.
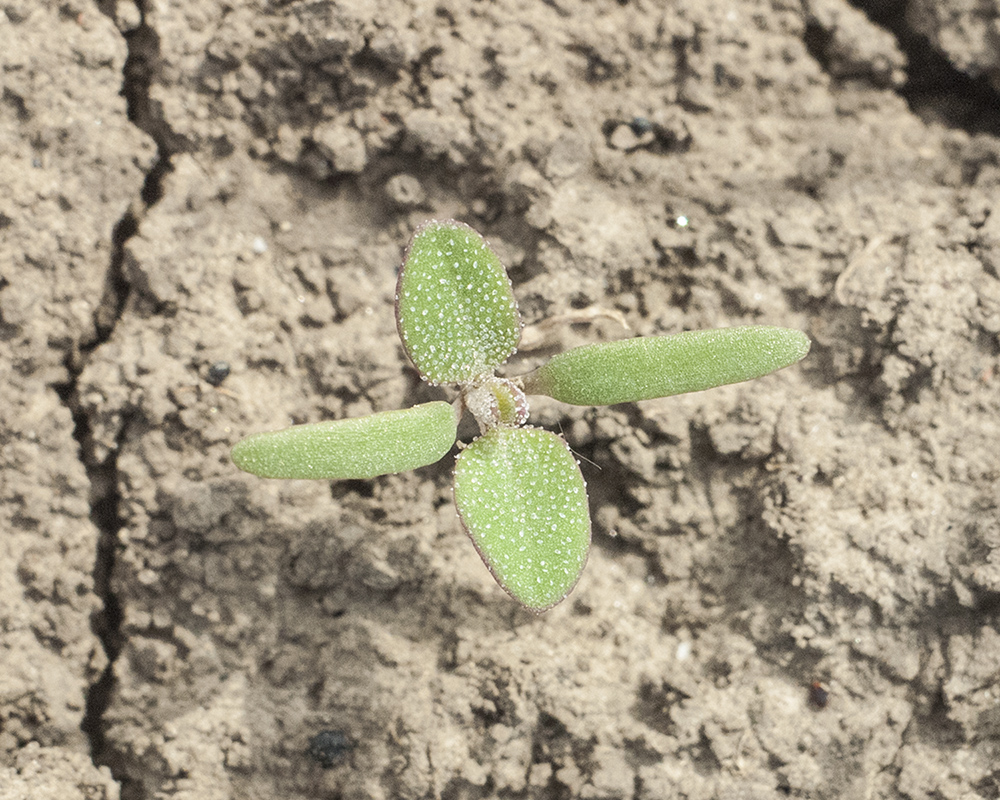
point(794, 586)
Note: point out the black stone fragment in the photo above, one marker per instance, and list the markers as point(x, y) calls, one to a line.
point(818, 695)
point(329, 748)
point(217, 373)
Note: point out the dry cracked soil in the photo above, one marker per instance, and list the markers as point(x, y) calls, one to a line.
point(794, 588)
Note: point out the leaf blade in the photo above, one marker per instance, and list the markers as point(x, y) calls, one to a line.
point(455, 307)
point(659, 366)
point(358, 448)
point(523, 502)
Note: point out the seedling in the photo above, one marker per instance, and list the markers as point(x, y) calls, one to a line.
point(518, 489)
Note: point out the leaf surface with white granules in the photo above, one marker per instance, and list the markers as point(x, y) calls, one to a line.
point(455, 306)
point(523, 502)
point(659, 366)
point(363, 447)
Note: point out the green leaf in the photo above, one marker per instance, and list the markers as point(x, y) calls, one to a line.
point(659, 366)
point(523, 502)
point(364, 447)
point(455, 307)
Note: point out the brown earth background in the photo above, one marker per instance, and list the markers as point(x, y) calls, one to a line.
point(187, 182)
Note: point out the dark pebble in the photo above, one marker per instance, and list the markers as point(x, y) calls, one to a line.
point(329, 748)
point(217, 373)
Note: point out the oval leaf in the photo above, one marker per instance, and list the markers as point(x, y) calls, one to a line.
point(523, 502)
point(390, 441)
point(455, 306)
point(659, 366)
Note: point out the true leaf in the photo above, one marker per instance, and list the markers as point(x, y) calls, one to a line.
point(658, 366)
point(363, 447)
point(455, 306)
point(523, 502)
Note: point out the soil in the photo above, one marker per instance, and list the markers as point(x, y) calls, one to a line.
point(794, 587)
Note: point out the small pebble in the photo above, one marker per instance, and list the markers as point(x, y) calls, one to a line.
point(329, 748)
point(217, 373)
point(818, 695)
point(405, 190)
point(640, 125)
point(624, 137)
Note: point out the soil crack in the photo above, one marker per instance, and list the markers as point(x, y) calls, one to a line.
point(141, 62)
point(105, 500)
point(934, 87)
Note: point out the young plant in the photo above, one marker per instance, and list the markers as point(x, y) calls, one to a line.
point(518, 489)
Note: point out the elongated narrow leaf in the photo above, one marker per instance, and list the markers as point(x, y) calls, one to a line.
point(523, 502)
point(455, 307)
point(659, 366)
point(390, 441)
